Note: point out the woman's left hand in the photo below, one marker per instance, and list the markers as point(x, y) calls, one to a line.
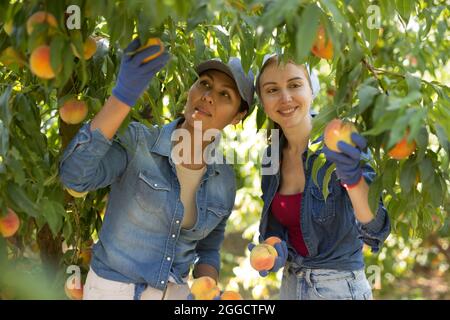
point(280, 260)
point(347, 161)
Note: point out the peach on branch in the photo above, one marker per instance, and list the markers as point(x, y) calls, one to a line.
point(403, 148)
point(40, 63)
point(73, 111)
point(41, 17)
point(9, 224)
point(89, 49)
point(152, 42)
point(323, 46)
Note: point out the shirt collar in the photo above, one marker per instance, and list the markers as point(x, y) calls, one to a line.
point(163, 145)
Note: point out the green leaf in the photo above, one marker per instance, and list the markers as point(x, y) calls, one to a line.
point(414, 83)
point(260, 118)
point(4, 141)
point(375, 190)
point(422, 143)
point(384, 124)
point(53, 213)
point(5, 113)
point(390, 175)
point(317, 164)
point(366, 95)
point(306, 31)
point(407, 176)
point(335, 11)
point(396, 103)
point(398, 129)
point(223, 39)
point(437, 190)
point(426, 170)
point(405, 8)
point(442, 137)
point(21, 200)
point(277, 12)
point(326, 181)
point(56, 47)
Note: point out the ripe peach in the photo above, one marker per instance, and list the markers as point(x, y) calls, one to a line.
point(402, 149)
point(322, 47)
point(152, 42)
point(9, 224)
point(338, 130)
point(11, 56)
point(41, 17)
point(89, 48)
point(204, 288)
point(73, 112)
point(231, 295)
point(40, 63)
point(73, 293)
point(272, 241)
point(262, 257)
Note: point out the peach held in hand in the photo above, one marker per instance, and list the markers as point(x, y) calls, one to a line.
point(263, 256)
point(204, 288)
point(338, 130)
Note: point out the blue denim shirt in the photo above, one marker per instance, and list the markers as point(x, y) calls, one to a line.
point(333, 236)
point(141, 240)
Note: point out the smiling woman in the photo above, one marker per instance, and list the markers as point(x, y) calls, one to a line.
point(322, 238)
point(162, 214)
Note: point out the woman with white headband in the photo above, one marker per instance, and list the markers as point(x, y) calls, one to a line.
point(321, 239)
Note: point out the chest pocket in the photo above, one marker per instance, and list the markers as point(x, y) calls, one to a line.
point(152, 192)
point(323, 211)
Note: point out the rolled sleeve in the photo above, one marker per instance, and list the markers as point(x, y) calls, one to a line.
point(91, 161)
point(375, 232)
point(208, 249)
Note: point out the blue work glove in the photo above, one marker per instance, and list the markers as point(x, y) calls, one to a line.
point(134, 76)
point(348, 168)
point(280, 261)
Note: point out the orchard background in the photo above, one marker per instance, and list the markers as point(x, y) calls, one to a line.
point(388, 73)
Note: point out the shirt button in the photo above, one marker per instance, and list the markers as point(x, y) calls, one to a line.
point(173, 236)
point(168, 258)
point(162, 282)
point(156, 184)
point(178, 221)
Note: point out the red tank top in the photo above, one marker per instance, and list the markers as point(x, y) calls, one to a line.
point(286, 209)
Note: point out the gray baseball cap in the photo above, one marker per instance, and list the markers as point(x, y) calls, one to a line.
point(244, 82)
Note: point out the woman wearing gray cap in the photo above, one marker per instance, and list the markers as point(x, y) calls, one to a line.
point(166, 210)
point(321, 239)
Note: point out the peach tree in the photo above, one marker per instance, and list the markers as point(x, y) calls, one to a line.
point(382, 64)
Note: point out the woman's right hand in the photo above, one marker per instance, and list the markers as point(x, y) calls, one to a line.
point(134, 76)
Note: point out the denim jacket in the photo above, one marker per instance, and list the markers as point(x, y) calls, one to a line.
point(141, 240)
point(333, 236)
